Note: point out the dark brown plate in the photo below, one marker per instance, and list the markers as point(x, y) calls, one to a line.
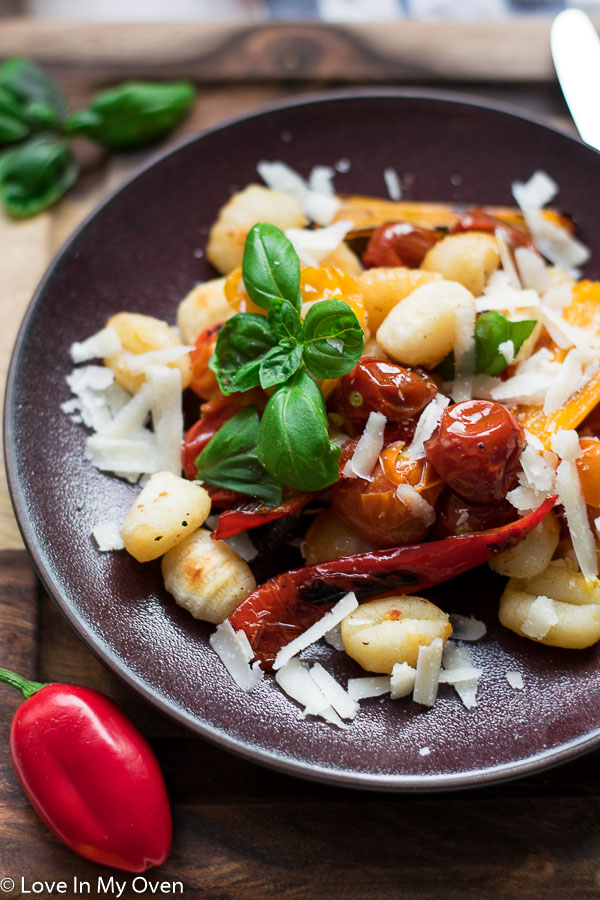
point(139, 252)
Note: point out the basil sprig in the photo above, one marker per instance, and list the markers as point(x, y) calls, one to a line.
point(491, 330)
point(254, 350)
point(34, 117)
point(282, 352)
point(230, 460)
point(293, 441)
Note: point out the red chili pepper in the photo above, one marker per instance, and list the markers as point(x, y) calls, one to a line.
point(251, 515)
point(90, 775)
point(271, 614)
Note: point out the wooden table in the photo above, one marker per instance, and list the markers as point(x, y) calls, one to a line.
point(242, 831)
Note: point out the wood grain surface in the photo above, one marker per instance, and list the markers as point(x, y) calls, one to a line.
point(242, 831)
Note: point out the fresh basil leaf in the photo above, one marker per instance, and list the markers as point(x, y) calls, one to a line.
point(279, 364)
point(286, 323)
point(270, 267)
point(36, 174)
point(333, 339)
point(493, 329)
point(14, 125)
point(293, 440)
point(28, 83)
point(229, 460)
point(133, 113)
point(242, 343)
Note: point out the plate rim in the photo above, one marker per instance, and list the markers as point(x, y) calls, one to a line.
point(398, 783)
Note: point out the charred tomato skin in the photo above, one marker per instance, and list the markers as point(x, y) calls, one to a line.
point(477, 450)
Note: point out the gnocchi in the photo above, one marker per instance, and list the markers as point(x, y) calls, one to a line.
point(469, 258)
point(420, 331)
point(206, 577)
point(575, 607)
point(139, 334)
point(384, 632)
point(164, 513)
point(205, 305)
point(254, 204)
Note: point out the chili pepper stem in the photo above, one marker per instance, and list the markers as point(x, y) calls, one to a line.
point(26, 687)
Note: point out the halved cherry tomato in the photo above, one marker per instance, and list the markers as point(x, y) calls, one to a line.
point(327, 283)
point(374, 509)
point(236, 295)
point(477, 450)
point(399, 244)
point(478, 220)
point(457, 516)
point(204, 381)
point(588, 467)
point(378, 385)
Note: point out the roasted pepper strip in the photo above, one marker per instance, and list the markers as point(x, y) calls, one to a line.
point(251, 515)
point(273, 614)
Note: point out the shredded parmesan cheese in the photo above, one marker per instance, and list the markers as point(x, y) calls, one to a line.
point(402, 680)
point(108, 536)
point(392, 183)
point(459, 658)
point(234, 650)
point(540, 619)
point(364, 688)
point(313, 245)
point(343, 608)
point(338, 698)
point(515, 679)
point(104, 343)
point(428, 422)
point(467, 628)
point(429, 661)
point(418, 506)
point(570, 495)
point(295, 679)
point(506, 259)
point(366, 453)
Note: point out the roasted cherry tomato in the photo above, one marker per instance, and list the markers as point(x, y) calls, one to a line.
point(374, 509)
point(588, 467)
point(477, 449)
point(399, 244)
point(479, 220)
point(204, 381)
point(457, 516)
point(329, 283)
point(385, 387)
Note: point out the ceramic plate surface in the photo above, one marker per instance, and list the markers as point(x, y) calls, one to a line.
point(140, 252)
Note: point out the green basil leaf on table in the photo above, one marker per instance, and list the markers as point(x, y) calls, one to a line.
point(133, 113)
point(270, 267)
point(29, 83)
point(36, 174)
point(333, 339)
point(14, 124)
point(242, 343)
point(230, 460)
point(279, 364)
point(493, 329)
point(293, 440)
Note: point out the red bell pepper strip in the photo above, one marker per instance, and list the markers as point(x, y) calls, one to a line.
point(273, 614)
point(251, 515)
point(90, 775)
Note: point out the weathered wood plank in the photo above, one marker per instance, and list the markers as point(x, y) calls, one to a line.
point(515, 50)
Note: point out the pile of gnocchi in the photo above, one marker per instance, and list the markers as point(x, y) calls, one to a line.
point(474, 400)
